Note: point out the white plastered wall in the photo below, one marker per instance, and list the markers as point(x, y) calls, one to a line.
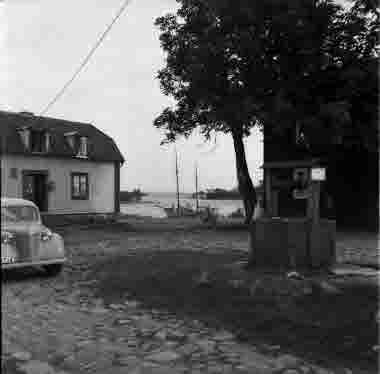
point(101, 182)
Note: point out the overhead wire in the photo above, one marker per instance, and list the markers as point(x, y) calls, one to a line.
point(87, 58)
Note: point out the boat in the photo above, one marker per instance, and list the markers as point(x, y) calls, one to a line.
point(219, 194)
point(184, 211)
point(132, 196)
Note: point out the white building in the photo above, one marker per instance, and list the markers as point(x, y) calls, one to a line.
point(64, 167)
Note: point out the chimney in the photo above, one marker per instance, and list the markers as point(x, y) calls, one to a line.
point(25, 136)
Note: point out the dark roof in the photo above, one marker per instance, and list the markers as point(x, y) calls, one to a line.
point(101, 146)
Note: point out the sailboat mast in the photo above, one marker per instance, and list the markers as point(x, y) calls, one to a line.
point(196, 188)
point(2, 163)
point(176, 174)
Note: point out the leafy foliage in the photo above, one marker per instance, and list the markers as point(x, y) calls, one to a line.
point(235, 64)
point(303, 65)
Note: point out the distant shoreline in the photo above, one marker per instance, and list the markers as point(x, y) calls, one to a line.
point(131, 196)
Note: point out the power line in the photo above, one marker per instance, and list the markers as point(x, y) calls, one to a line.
point(87, 58)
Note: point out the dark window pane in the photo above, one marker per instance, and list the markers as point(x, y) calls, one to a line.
point(76, 191)
point(79, 186)
point(83, 185)
point(38, 141)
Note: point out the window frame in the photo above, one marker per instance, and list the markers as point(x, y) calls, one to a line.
point(41, 146)
point(81, 196)
point(83, 147)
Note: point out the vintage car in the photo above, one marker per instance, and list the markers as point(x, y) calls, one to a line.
point(25, 241)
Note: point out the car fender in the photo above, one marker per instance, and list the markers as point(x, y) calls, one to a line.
point(59, 243)
point(52, 249)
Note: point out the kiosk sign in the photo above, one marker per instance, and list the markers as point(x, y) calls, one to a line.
point(318, 174)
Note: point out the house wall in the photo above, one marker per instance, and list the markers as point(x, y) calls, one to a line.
point(101, 182)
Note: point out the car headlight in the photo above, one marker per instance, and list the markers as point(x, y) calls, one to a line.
point(6, 237)
point(46, 235)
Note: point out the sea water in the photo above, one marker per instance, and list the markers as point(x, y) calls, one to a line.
point(153, 204)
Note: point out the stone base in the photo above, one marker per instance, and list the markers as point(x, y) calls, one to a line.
point(292, 243)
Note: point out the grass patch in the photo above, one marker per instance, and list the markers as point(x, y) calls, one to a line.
point(258, 306)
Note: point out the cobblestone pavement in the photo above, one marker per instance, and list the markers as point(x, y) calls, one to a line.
point(54, 326)
point(56, 332)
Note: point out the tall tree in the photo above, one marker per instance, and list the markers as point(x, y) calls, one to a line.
point(233, 65)
point(335, 97)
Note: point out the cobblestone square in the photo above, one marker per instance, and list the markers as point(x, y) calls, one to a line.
point(58, 325)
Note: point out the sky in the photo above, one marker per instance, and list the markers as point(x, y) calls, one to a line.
point(42, 42)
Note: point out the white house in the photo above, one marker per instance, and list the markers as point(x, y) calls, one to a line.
point(64, 167)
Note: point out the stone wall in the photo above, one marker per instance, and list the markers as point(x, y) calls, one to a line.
point(292, 243)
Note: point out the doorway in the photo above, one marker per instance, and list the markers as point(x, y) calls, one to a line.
point(35, 188)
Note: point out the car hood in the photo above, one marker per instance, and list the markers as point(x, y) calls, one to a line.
point(23, 228)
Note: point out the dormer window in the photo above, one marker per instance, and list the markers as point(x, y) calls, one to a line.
point(71, 139)
point(39, 141)
point(47, 141)
point(83, 147)
point(78, 144)
point(25, 136)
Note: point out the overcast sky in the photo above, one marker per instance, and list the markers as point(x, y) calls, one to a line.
point(42, 43)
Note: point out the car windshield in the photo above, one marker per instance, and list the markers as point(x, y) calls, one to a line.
point(19, 214)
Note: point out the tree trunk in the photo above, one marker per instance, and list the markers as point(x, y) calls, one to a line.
point(246, 188)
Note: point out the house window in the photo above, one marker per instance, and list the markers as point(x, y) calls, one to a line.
point(39, 141)
point(47, 141)
point(71, 138)
point(83, 146)
point(25, 137)
point(79, 186)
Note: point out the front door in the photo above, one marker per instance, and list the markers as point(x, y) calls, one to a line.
point(35, 189)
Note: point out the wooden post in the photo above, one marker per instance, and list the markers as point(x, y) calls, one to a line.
point(316, 198)
point(268, 193)
point(314, 240)
point(313, 212)
point(310, 204)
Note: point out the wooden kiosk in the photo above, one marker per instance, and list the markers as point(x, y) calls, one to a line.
point(291, 234)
